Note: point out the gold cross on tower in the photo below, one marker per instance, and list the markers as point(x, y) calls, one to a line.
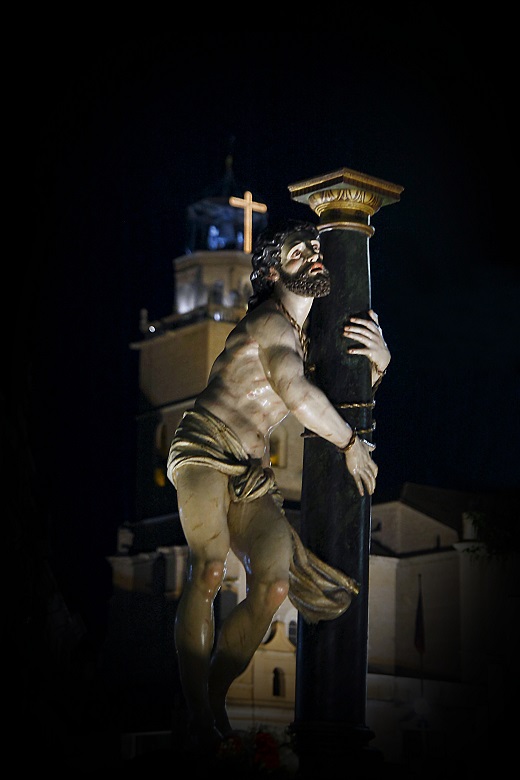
point(249, 205)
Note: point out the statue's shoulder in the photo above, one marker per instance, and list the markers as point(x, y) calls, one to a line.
point(265, 312)
point(266, 323)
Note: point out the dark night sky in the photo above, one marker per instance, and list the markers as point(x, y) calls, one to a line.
point(119, 136)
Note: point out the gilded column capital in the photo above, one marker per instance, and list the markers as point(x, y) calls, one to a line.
point(345, 199)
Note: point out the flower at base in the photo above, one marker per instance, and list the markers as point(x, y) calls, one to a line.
point(257, 753)
point(266, 750)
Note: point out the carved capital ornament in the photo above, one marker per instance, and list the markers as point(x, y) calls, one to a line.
point(345, 199)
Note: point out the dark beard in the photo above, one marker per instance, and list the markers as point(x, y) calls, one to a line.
point(302, 283)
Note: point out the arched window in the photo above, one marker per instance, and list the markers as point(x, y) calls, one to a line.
point(278, 682)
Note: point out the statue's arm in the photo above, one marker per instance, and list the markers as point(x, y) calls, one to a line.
point(284, 369)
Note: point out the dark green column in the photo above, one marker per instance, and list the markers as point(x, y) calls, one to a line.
point(331, 660)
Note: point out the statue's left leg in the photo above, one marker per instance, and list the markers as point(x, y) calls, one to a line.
point(261, 539)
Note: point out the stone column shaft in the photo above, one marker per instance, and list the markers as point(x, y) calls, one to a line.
point(331, 663)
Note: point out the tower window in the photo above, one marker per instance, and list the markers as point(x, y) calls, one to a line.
point(293, 632)
point(215, 240)
point(278, 682)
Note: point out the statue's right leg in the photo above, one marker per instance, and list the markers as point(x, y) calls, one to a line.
point(203, 502)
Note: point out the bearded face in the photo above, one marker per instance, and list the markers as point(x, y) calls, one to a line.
point(307, 282)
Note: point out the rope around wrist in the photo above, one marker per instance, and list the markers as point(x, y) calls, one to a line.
point(350, 443)
point(380, 375)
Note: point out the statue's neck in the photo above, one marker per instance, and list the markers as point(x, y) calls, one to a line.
point(298, 306)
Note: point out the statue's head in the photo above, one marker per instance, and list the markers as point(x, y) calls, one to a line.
point(267, 254)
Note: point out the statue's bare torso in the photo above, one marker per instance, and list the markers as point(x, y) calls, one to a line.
point(240, 390)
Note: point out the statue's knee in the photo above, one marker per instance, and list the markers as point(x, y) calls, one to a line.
point(277, 593)
point(212, 576)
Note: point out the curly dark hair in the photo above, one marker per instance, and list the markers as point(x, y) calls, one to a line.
point(267, 253)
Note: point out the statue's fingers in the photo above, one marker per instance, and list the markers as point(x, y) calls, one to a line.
point(369, 325)
point(363, 328)
point(369, 484)
point(371, 474)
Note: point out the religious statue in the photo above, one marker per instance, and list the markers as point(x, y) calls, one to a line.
point(227, 496)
